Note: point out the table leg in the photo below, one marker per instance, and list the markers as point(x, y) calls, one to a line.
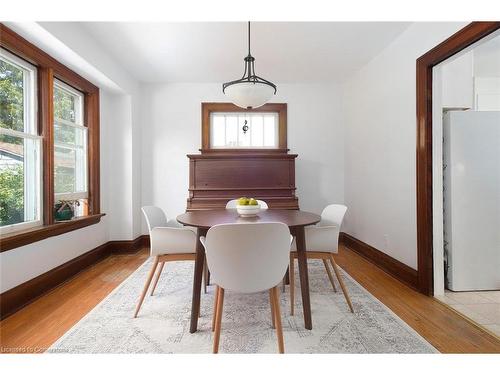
point(198, 275)
point(304, 276)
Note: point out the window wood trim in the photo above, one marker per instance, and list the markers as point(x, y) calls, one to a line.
point(49, 69)
point(208, 108)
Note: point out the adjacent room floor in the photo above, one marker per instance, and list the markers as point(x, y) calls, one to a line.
point(481, 307)
point(38, 325)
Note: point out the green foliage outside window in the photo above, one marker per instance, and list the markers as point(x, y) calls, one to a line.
point(12, 117)
point(11, 195)
point(11, 100)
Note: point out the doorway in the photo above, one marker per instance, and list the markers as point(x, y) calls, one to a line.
point(458, 165)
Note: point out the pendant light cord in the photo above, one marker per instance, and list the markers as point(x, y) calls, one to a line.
point(248, 38)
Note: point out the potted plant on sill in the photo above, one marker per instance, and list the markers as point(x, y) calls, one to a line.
point(65, 209)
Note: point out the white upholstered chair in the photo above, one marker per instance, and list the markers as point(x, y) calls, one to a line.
point(247, 258)
point(169, 242)
point(234, 202)
point(322, 242)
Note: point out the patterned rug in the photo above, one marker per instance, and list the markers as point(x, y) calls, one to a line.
point(163, 322)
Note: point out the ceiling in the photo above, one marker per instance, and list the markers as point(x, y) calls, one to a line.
point(285, 52)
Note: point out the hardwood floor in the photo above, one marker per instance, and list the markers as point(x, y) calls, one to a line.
point(446, 330)
point(38, 325)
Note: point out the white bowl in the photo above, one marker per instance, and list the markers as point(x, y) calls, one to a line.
point(248, 210)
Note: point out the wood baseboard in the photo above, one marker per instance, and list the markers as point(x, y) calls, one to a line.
point(16, 298)
point(128, 246)
point(394, 267)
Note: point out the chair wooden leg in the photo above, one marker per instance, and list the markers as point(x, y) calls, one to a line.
point(157, 277)
point(146, 286)
point(216, 301)
point(271, 302)
point(330, 276)
point(205, 276)
point(292, 285)
point(220, 304)
point(277, 313)
point(341, 282)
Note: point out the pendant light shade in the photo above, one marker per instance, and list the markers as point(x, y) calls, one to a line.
point(249, 94)
point(251, 91)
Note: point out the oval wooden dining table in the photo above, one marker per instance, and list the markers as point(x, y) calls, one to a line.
point(203, 220)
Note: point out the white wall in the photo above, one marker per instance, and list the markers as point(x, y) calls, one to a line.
point(379, 107)
point(172, 128)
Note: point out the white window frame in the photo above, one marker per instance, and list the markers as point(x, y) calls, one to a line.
point(249, 115)
point(78, 124)
point(33, 175)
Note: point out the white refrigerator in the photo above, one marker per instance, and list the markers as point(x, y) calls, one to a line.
point(471, 162)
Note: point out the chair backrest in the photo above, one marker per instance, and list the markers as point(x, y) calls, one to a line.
point(248, 257)
point(333, 214)
point(155, 217)
point(234, 202)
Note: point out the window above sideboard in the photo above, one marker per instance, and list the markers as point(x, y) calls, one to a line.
point(226, 127)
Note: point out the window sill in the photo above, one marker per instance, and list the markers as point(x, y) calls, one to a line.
point(16, 239)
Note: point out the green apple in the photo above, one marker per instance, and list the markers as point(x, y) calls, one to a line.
point(243, 201)
point(253, 202)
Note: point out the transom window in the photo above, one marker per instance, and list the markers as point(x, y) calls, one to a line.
point(244, 130)
point(20, 146)
point(228, 128)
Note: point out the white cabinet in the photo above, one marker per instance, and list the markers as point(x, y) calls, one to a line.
point(471, 153)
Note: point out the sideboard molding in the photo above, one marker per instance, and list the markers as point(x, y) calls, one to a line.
point(216, 178)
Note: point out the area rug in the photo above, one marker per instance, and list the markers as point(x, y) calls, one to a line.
point(163, 322)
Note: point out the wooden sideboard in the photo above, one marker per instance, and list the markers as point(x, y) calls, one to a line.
point(215, 178)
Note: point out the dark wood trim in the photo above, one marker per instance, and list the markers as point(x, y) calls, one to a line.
point(47, 70)
point(128, 246)
point(19, 46)
point(464, 38)
point(394, 267)
point(92, 122)
point(16, 298)
point(16, 239)
point(46, 130)
point(231, 154)
point(207, 108)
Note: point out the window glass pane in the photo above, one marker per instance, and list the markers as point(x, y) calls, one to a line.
point(270, 131)
point(257, 124)
point(19, 179)
point(70, 152)
point(64, 105)
point(64, 170)
point(218, 131)
point(244, 136)
point(227, 130)
point(231, 131)
point(11, 96)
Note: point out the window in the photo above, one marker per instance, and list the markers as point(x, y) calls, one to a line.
point(226, 127)
point(49, 145)
point(20, 146)
point(70, 148)
point(244, 130)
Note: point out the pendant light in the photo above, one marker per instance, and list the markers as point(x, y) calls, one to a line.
point(250, 91)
